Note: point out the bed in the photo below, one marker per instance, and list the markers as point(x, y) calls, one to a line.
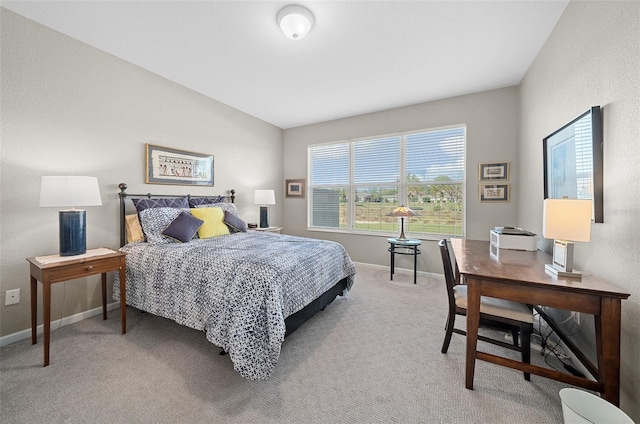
point(247, 290)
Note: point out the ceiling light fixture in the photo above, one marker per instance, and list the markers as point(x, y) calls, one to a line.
point(295, 21)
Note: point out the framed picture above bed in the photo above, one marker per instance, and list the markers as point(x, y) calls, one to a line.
point(165, 165)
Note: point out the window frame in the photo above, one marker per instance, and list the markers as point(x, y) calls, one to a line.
point(351, 187)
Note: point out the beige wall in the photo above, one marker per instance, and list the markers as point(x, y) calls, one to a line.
point(492, 129)
point(68, 108)
point(593, 58)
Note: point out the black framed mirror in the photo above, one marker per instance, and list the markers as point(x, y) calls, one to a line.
point(573, 161)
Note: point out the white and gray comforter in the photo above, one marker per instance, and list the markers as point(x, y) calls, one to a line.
point(237, 288)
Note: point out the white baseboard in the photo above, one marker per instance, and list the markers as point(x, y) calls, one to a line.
point(25, 334)
point(401, 270)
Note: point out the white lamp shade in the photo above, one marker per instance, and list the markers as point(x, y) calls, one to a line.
point(264, 197)
point(69, 191)
point(567, 219)
point(295, 22)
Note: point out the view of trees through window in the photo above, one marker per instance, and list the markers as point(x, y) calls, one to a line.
point(354, 185)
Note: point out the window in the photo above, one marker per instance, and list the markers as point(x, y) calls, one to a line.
point(354, 184)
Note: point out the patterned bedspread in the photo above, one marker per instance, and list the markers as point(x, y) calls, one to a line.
point(238, 288)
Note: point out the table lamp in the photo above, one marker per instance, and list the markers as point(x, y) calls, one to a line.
point(264, 198)
point(565, 221)
point(65, 191)
point(402, 211)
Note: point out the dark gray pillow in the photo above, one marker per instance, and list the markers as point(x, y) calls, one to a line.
point(234, 222)
point(183, 228)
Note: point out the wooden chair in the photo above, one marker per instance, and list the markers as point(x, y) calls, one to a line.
point(494, 312)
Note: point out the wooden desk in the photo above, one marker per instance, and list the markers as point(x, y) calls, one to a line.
point(520, 276)
point(55, 270)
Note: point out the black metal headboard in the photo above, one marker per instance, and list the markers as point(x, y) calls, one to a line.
point(124, 195)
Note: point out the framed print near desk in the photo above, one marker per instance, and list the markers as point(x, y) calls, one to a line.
point(494, 193)
point(573, 161)
point(493, 171)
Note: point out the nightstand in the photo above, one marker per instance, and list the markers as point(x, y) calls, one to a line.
point(55, 269)
point(270, 229)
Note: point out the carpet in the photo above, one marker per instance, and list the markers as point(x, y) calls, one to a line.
point(372, 357)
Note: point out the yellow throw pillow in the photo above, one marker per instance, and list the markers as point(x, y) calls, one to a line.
point(213, 222)
point(134, 229)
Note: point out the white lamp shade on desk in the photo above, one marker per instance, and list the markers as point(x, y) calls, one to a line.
point(566, 221)
point(71, 191)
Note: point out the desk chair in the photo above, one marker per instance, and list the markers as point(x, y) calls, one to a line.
point(495, 312)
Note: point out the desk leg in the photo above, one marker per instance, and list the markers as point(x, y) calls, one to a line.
point(34, 310)
point(46, 318)
point(104, 295)
point(608, 347)
point(123, 297)
point(474, 288)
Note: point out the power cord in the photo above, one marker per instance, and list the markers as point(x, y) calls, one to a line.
point(550, 347)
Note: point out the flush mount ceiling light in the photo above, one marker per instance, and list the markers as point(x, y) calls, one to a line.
point(295, 21)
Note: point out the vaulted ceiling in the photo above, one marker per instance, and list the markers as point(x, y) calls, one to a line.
point(360, 57)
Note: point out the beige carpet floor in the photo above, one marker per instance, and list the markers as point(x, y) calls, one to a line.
point(373, 357)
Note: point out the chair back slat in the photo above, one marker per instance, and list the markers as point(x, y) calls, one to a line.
point(448, 270)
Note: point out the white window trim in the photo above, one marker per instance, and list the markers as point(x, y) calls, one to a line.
point(402, 187)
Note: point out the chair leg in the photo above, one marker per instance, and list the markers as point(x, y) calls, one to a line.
point(448, 331)
point(514, 335)
point(525, 331)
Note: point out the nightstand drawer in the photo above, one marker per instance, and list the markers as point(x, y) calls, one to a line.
point(84, 269)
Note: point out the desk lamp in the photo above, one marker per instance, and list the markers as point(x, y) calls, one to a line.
point(402, 211)
point(64, 191)
point(566, 221)
point(264, 198)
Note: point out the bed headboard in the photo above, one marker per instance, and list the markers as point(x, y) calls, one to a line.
point(123, 206)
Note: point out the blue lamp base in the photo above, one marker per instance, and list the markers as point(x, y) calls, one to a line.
point(73, 235)
point(264, 219)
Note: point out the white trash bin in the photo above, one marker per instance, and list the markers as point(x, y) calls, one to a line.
point(580, 407)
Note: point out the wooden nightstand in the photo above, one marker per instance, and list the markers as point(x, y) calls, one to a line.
point(270, 229)
point(55, 269)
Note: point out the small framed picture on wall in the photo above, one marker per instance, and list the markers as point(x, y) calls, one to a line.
point(295, 188)
point(494, 193)
point(493, 171)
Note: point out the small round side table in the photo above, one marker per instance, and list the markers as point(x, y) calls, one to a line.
point(404, 247)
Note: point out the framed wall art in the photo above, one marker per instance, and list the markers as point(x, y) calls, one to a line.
point(493, 171)
point(295, 188)
point(494, 192)
point(573, 161)
point(172, 166)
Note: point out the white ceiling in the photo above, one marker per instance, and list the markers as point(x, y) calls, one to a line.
point(360, 57)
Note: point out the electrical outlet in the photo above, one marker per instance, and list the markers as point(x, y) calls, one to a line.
point(12, 297)
point(576, 317)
